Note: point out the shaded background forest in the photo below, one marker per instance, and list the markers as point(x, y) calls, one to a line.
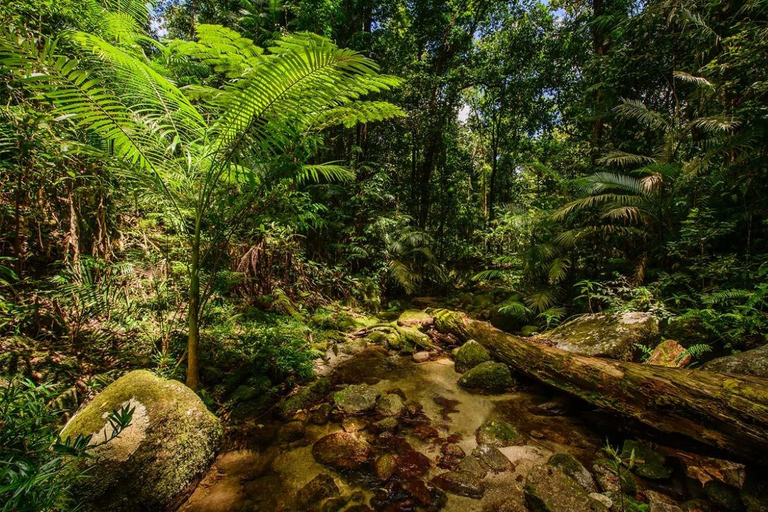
point(556, 158)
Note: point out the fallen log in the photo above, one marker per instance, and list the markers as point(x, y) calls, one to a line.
point(726, 411)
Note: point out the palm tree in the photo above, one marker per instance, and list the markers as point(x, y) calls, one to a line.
point(205, 160)
point(639, 204)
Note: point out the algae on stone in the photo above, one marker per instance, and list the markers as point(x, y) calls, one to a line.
point(497, 432)
point(172, 439)
point(648, 462)
point(356, 399)
point(600, 335)
point(489, 375)
point(304, 398)
point(469, 355)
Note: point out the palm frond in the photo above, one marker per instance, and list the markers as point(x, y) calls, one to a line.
point(634, 109)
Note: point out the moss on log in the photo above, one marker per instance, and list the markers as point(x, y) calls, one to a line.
point(727, 411)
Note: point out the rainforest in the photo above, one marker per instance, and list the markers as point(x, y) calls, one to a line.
point(396, 255)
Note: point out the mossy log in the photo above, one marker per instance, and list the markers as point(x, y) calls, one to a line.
point(727, 411)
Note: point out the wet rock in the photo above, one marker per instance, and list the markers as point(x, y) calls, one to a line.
point(412, 464)
point(353, 424)
point(754, 493)
point(490, 376)
point(425, 432)
point(341, 450)
point(602, 498)
point(492, 458)
point(649, 463)
point(384, 466)
point(473, 466)
point(470, 355)
point(172, 439)
point(549, 489)
point(291, 432)
point(336, 504)
point(390, 405)
point(698, 506)
point(453, 450)
point(608, 480)
point(421, 357)
point(356, 399)
point(461, 483)
point(498, 433)
point(320, 414)
point(669, 353)
point(658, 502)
point(555, 437)
point(415, 318)
point(703, 469)
point(574, 469)
point(304, 398)
point(448, 462)
point(319, 488)
point(724, 496)
point(388, 424)
point(609, 336)
point(418, 490)
point(558, 406)
point(750, 362)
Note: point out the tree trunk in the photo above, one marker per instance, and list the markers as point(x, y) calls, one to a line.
point(727, 411)
point(193, 340)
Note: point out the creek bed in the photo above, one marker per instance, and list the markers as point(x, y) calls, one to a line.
point(270, 474)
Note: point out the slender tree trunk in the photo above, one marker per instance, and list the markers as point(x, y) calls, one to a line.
point(193, 342)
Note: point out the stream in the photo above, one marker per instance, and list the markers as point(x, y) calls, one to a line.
point(439, 426)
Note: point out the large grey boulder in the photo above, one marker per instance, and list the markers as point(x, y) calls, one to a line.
point(172, 439)
point(609, 336)
point(750, 362)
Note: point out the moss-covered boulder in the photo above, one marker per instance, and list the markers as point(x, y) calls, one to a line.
point(574, 469)
point(609, 336)
point(304, 398)
point(171, 440)
point(754, 493)
point(726, 497)
point(470, 355)
point(497, 432)
point(549, 489)
point(649, 463)
point(489, 376)
point(415, 318)
point(356, 399)
point(751, 362)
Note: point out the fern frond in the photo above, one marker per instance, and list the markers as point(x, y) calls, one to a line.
point(634, 109)
point(328, 172)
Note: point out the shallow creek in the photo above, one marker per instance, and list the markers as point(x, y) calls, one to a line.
point(269, 475)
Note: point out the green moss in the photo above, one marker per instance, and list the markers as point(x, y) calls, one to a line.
point(470, 355)
point(489, 376)
point(173, 438)
point(724, 496)
point(449, 322)
point(415, 318)
point(648, 463)
point(498, 433)
point(304, 397)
